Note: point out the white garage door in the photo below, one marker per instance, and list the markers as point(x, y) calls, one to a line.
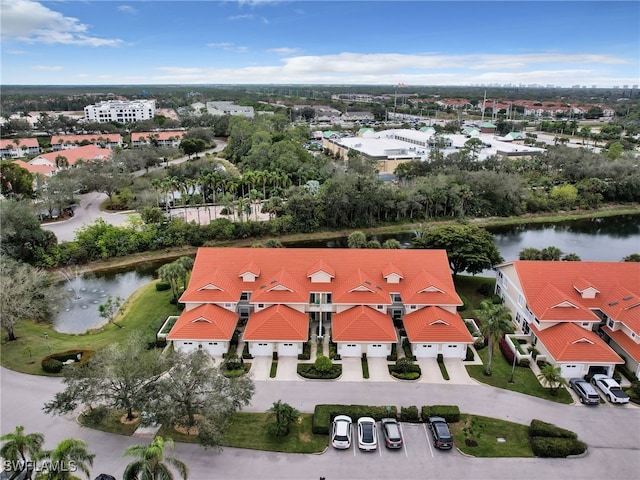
point(569, 371)
point(288, 349)
point(350, 350)
point(423, 350)
point(377, 350)
point(258, 349)
point(215, 348)
point(452, 351)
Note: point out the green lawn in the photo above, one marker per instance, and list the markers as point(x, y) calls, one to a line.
point(485, 432)
point(249, 430)
point(468, 286)
point(145, 311)
point(524, 379)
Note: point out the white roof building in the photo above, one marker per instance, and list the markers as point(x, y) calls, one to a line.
point(123, 111)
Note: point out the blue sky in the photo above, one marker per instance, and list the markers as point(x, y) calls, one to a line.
point(320, 42)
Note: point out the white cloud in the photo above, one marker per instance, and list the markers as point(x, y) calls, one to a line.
point(228, 46)
point(48, 68)
point(284, 51)
point(31, 22)
point(248, 16)
point(127, 9)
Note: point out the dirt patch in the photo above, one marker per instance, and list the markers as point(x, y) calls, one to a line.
point(125, 421)
point(192, 431)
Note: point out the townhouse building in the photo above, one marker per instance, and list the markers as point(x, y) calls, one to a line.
point(103, 140)
point(159, 139)
point(68, 158)
point(18, 147)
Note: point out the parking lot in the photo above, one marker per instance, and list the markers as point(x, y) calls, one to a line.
point(418, 444)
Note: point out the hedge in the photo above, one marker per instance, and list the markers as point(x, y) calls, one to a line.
point(557, 447)
point(409, 414)
point(394, 353)
point(324, 414)
point(306, 352)
point(451, 413)
point(50, 362)
point(160, 286)
point(538, 428)
point(308, 370)
point(506, 351)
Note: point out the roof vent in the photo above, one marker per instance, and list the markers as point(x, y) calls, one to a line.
point(612, 304)
point(274, 281)
point(367, 282)
point(629, 297)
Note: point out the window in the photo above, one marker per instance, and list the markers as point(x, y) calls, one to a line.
point(452, 346)
point(520, 299)
point(376, 346)
point(413, 307)
point(396, 297)
point(379, 307)
point(352, 345)
point(505, 282)
point(610, 324)
point(261, 305)
point(287, 344)
point(245, 296)
point(262, 344)
point(585, 324)
point(518, 318)
point(227, 305)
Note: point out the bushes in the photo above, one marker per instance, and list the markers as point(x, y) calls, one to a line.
point(53, 363)
point(506, 351)
point(469, 356)
point(308, 370)
point(306, 352)
point(451, 413)
point(161, 286)
point(443, 368)
point(324, 414)
point(548, 440)
point(409, 414)
point(245, 352)
point(365, 366)
point(405, 369)
point(406, 346)
point(394, 353)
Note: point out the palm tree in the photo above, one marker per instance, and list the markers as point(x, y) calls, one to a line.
point(171, 273)
point(283, 416)
point(67, 454)
point(552, 376)
point(17, 445)
point(496, 321)
point(150, 463)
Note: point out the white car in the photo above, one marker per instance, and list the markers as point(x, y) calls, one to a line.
point(611, 389)
point(341, 432)
point(367, 434)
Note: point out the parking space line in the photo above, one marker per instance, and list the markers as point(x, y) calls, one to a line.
point(426, 434)
point(404, 443)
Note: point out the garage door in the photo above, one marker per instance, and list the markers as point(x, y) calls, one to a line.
point(452, 351)
point(423, 350)
point(215, 348)
point(288, 349)
point(260, 348)
point(377, 350)
point(569, 371)
point(350, 350)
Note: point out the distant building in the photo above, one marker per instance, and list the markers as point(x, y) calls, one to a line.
point(229, 108)
point(159, 139)
point(18, 147)
point(123, 111)
point(66, 142)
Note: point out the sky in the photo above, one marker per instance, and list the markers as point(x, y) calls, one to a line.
point(149, 42)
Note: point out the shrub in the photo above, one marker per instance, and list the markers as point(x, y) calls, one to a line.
point(525, 363)
point(404, 365)
point(245, 352)
point(365, 366)
point(470, 356)
point(533, 351)
point(406, 346)
point(443, 368)
point(409, 414)
point(308, 370)
point(161, 286)
point(538, 428)
point(232, 362)
point(333, 351)
point(306, 352)
point(323, 364)
point(557, 447)
point(406, 376)
point(486, 289)
point(465, 304)
point(624, 370)
point(394, 353)
point(94, 416)
point(323, 414)
point(451, 413)
point(506, 351)
point(479, 344)
point(51, 365)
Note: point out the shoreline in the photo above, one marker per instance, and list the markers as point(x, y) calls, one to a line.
point(176, 252)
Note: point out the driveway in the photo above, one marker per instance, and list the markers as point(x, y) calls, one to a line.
point(379, 369)
point(288, 369)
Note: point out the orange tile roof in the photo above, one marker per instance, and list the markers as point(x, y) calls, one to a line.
point(250, 267)
point(91, 137)
point(568, 342)
point(321, 266)
point(390, 269)
point(206, 322)
point(546, 284)
point(87, 152)
point(22, 142)
point(425, 289)
point(277, 323)
point(626, 342)
point(166, 135)
point(362, 289)
point(282, 287)
point(362, 324)
point(436, 325)
point(211, 284)
point(42, 169)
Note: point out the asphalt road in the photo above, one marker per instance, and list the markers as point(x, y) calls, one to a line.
point(612, 433)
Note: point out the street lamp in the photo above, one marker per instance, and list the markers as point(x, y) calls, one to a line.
point(46, 337)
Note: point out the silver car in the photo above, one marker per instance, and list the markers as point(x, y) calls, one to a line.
point(586, 393)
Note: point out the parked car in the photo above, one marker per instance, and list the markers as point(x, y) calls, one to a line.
point(392, 433)
point(611, 389)
point(442, 438)
point(367, 434)
point(586, 393)
point(341, 432)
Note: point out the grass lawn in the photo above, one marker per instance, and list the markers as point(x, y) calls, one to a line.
point(486, 431)
point(524, 379)
point(468, 286)
point(249, 430)
point(145, 311)
point(111, 423)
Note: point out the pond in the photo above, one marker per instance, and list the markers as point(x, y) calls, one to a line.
point(88, 291)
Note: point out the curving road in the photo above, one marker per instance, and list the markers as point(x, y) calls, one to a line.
point(612, 433)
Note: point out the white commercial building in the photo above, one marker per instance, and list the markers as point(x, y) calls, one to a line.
point(123, 111)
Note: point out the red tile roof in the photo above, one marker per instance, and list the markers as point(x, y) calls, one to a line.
point(41, 169)
point(87, 152)
point(277, 323)
point(626, 342)
point(548, 286)
point(206, 322)
point(436, 325)
point(22, 142)
point(568, 342)
point(390, 269)
point(321, 266)
point(362, 324)
point(250, 267)
point(166, 135)
point(92, 138)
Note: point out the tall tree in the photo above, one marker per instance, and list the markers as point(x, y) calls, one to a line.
point(496, 321)
point(151, 463)
point(552, 376)
point(19, 446)
point(112, 378)
point(21, 236)
point(195, 395)
point(15, 181)
point(29, 295)
point(469, 247)
point(69, 455)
